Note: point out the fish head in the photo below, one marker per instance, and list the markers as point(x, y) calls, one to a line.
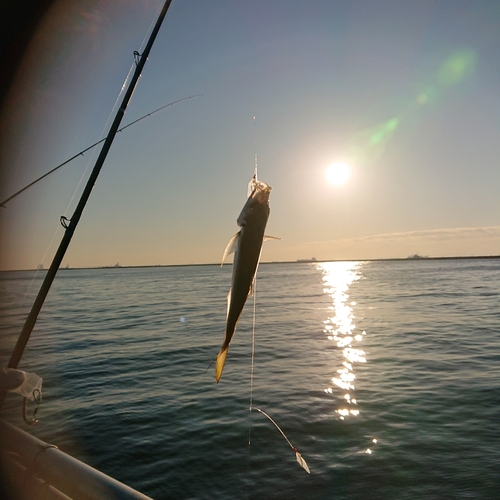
point(257, 204)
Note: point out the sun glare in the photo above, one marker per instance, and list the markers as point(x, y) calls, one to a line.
point(338, 173)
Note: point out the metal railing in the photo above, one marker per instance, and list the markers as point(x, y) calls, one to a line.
point(36, 470)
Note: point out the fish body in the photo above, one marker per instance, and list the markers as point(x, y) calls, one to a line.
point(246, 245)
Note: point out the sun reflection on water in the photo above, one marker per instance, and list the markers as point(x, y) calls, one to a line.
point(340, 328)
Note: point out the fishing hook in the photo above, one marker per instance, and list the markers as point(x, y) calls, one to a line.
point(298, 456)
point(137, 57)
point(38, 398)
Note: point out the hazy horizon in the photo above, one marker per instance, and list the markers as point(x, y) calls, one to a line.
point(410, 258)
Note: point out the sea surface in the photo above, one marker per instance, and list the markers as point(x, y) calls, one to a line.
point(384, 375)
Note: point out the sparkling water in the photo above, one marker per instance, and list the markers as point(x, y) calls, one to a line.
point(384, 375)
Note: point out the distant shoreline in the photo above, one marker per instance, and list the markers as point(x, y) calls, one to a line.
point(301, 261)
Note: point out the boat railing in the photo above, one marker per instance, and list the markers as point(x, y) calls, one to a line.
point(33, 469)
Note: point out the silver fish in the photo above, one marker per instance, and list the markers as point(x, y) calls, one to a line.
point(246, 245)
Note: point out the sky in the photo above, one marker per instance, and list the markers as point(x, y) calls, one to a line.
point(406, 93)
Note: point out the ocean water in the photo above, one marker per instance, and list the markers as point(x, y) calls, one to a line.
point(384, 375)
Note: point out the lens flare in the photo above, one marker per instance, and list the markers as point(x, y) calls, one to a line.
point(457, 67)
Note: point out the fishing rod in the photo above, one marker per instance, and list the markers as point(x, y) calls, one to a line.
point(70, 224)
point(93, 145)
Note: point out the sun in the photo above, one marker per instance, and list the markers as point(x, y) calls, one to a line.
point(338, 173)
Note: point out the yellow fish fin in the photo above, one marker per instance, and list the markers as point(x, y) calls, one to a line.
point(219, 363)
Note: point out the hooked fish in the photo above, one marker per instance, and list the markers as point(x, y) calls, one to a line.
point(246, 245)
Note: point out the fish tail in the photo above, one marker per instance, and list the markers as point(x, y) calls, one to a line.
point(219, 363)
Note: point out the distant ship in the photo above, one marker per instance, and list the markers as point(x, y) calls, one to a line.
point(417, 256)
point(312, 259)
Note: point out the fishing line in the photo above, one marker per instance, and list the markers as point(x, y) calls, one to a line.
point(81, 153)
point(122, 90)
point(255, 145)
point(72, 158)
point(111, 114)
point(254, 287)
point(298, 456)
point(254, 284)
point(106, 126)
point(148, 33)
point(118, 99)
point(89, 161)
